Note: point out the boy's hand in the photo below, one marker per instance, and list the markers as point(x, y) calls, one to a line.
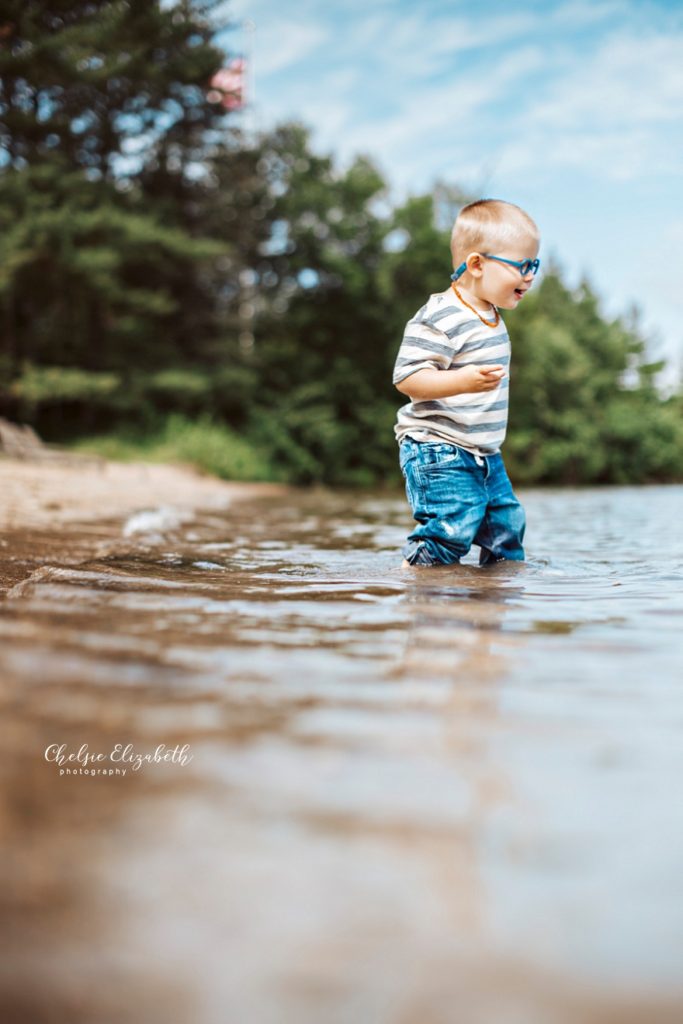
point(479, 378)
point(426, 384)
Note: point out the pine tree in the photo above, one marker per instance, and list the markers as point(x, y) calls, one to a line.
point(104, 270)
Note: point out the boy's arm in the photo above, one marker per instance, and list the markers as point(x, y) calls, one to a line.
point(421, 370)
point(429, 383)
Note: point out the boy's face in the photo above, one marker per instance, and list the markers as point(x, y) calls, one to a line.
point(500, 283)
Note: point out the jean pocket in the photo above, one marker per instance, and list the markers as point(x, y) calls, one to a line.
point(407, 451)
point(437, 454)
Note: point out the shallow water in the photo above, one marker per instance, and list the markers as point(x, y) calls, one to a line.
point(436, 795)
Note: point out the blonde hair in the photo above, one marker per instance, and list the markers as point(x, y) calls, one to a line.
point(489, 225)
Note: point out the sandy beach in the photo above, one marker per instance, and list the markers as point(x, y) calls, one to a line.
point(46, 494)
point(63, 509)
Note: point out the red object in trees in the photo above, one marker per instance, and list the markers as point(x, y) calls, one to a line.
point(228, 85)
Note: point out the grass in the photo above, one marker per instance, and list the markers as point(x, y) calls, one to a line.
point(203, 443)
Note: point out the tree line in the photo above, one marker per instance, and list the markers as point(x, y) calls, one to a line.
point(240, 298)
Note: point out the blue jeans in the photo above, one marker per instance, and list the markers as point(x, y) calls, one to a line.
point(459, 500)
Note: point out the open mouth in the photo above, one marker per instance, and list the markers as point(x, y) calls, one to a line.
point(519, 292)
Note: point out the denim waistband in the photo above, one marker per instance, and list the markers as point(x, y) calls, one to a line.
point(478, 457)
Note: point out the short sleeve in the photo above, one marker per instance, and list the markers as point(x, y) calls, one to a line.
point(424, 346)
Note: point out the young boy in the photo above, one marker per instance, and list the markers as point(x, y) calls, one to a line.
point(453, 365)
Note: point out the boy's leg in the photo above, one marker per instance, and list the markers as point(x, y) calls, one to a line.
point(445, 488)
point(501, 532)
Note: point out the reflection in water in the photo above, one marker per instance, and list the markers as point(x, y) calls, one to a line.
point(411, 790)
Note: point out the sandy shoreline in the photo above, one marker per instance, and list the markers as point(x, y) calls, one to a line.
point(65, 510)
point(45, 494)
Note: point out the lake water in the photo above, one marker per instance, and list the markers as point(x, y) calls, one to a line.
point(409, 796)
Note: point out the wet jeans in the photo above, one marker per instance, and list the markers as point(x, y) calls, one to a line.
point(459, 499)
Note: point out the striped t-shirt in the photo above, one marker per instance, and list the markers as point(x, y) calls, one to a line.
point(444, 335)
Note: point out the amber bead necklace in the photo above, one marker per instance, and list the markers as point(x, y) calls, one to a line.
point(488, 323)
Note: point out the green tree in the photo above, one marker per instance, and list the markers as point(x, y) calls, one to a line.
point(584, 406)
point(103, 264)
point(321, 343)
point(159, 268)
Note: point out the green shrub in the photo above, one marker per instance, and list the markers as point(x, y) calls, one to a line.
point(202, 443)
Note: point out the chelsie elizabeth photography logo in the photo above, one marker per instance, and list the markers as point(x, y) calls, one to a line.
point(120, 759)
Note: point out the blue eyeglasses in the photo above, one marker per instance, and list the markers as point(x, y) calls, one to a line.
point(523, 266)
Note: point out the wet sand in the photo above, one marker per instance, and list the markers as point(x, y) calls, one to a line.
point(49, 494)
point(65, 508)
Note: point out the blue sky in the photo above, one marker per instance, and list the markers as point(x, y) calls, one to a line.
point(573, 109)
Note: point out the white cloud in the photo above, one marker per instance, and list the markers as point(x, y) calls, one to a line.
point(421, 87)
point(281, 46)
point(439, 129)
point(612, 113)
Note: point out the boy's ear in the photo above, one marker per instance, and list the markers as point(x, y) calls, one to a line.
point(474, 264)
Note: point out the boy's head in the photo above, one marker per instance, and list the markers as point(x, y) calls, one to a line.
point(492, 228)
